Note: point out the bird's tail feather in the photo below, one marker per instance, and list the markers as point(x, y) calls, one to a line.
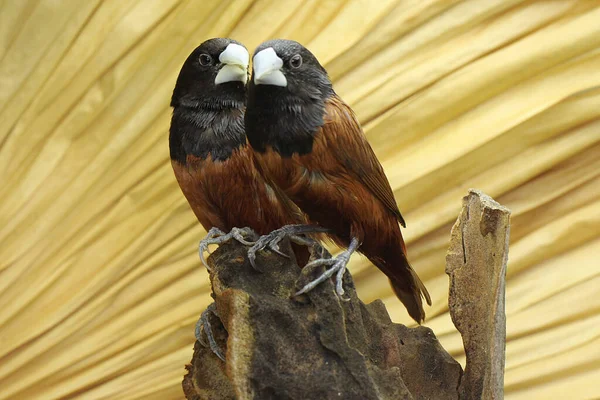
point(406, 284)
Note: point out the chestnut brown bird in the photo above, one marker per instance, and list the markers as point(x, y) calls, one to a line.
point(310, 144)
point(210, 157)
point(209, 154)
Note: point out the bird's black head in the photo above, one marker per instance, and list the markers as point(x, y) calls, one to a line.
point(209, 101)
point(286, 97)
point(213, 76)
point(291, 71)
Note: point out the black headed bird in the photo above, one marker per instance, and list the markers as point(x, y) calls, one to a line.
point(212, 162)
point(310, 144)
point(209, 154)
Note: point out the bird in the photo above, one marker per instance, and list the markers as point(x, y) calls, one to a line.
point(211, 160)
point(310, 144)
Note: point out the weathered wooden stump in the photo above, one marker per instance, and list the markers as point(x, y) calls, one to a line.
point(476, 264)
point(318, 346)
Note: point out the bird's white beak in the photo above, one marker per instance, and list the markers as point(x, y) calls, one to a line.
point(267, 68)
point(235, 64)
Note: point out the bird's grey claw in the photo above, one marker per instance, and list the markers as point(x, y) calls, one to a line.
point(275, 248)
point(318, 252)
point(338, 267)
point(293, 232)
point(240, 233)
point(269, 240)
point(212, 237)
point(218, 237)
point(203, 325)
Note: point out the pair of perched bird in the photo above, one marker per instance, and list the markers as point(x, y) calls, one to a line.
point(281, 149)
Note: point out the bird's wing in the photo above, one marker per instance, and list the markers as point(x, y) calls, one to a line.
point(207, 214)
point(347, 142)
point(290, 208)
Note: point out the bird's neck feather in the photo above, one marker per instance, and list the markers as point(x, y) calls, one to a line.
point(282, 122)
point(204, 131)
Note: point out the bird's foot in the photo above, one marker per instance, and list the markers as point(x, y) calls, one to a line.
point(218, 237)
point(295, 234)
point(203, 325)
point(316, 250)
point(338, 267)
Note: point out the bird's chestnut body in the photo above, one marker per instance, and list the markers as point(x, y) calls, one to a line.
point(310, 144)
point(211, 159)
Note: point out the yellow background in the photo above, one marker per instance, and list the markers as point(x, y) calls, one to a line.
point(100, 283)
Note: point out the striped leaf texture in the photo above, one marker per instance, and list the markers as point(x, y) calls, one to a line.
point(100, 282)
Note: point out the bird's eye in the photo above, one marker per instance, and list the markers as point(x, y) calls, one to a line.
point(205, 59)
point(296, 61)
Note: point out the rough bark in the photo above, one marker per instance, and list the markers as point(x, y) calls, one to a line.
point(317, 346)
point(476, 263)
